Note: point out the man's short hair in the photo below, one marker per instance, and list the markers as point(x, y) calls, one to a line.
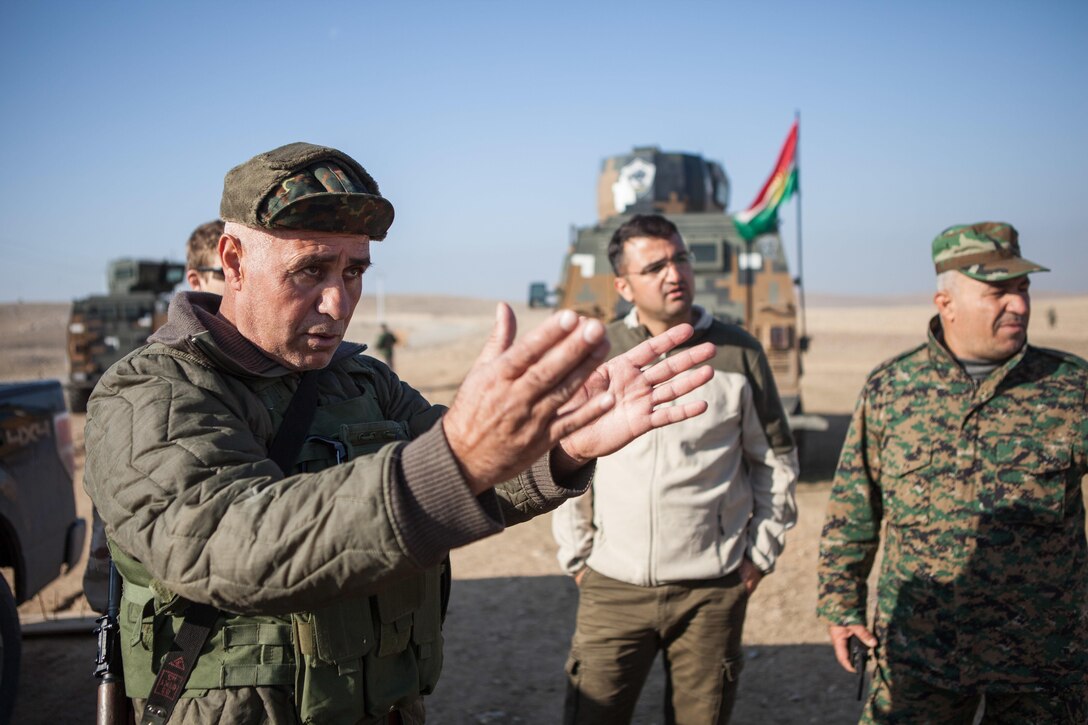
point(203, 247)
point(640, 225)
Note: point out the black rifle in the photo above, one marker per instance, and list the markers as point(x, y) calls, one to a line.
point(859, 657)
point(113, 707)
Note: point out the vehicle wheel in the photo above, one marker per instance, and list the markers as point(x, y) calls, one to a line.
point(77, 399)
point(11, 649)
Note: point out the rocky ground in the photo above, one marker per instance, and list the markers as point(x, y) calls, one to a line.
point(512, 612)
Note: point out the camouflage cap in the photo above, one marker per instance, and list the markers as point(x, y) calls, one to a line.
point(987, 251)
point(303, 186)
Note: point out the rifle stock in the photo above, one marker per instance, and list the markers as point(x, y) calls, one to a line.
point(113, 706)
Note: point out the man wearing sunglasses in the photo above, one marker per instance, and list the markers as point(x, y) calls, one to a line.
point(202, 268)
point(681, 524)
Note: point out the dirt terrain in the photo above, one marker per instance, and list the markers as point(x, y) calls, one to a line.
point(512, 612)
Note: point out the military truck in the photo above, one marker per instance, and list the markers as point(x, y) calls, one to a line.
point(39, 530)
point(104, 328)
point(739, 281)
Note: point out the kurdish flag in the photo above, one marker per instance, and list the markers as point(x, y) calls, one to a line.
point(762, 216)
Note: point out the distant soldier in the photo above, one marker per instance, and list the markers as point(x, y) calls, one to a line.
point(386, 341)
point(971, 448)
point(203, 270)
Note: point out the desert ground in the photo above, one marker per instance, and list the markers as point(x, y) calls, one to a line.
point(512, 611)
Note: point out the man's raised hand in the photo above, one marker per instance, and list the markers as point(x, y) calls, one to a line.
point(640, 394)
point(550, 391)
point(507, 411)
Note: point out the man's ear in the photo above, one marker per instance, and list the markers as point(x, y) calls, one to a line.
point(945, 307)
point(624, 288)
point(193, 278)
point(230, 256)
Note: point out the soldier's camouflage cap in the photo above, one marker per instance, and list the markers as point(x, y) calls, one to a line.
point(987, 251)
point(303, 186)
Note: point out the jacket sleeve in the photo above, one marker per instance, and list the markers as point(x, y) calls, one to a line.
point(772, 466)
point(573, 529)
point(177, 468)
point(533, 492)
point(851, 530)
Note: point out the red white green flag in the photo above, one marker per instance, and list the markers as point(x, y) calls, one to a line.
point(762, 216)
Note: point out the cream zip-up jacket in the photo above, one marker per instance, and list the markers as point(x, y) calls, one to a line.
point(690, 500)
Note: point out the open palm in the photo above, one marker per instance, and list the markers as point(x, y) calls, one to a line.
point(640, 393)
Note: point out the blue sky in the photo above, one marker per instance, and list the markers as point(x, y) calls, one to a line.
point(485, 123)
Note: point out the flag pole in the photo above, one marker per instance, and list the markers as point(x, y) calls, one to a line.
point(800, 262)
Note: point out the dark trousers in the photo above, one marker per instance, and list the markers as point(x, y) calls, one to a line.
point(620, 629)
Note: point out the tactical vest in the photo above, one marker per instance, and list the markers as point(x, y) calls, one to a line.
point(349, 662)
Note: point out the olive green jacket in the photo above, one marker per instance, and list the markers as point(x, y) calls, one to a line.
point(178, 468)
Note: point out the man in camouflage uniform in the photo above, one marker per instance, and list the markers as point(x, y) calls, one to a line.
point(310, 583)
point(971, 448)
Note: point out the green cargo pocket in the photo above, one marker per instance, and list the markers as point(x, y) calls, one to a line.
point(330, 645)
point(905, 477)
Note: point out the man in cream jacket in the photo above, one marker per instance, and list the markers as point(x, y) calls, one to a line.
point(683, 523)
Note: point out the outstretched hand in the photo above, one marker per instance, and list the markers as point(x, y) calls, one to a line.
point(521, 400)
point(640, 394)
point(513, 406)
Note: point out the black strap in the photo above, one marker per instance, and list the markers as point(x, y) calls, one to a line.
point(200, 618)
point(179, 662)
point(300, 411)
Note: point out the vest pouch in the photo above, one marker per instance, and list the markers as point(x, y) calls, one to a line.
point(364, 657)
point(241, 651)
point(331, 645)
point(136, 621)
point(350, 441)
point(409, 616)
point(427, 632)
point(366, 438)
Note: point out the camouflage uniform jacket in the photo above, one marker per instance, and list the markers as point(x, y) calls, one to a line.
point(178, 467)
point(984, 579)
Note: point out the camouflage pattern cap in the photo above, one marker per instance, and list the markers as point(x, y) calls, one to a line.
point(303, 186)
point(987, 251)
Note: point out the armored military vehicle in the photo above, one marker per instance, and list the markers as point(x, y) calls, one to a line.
point(739, 281)
point(104, 328)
